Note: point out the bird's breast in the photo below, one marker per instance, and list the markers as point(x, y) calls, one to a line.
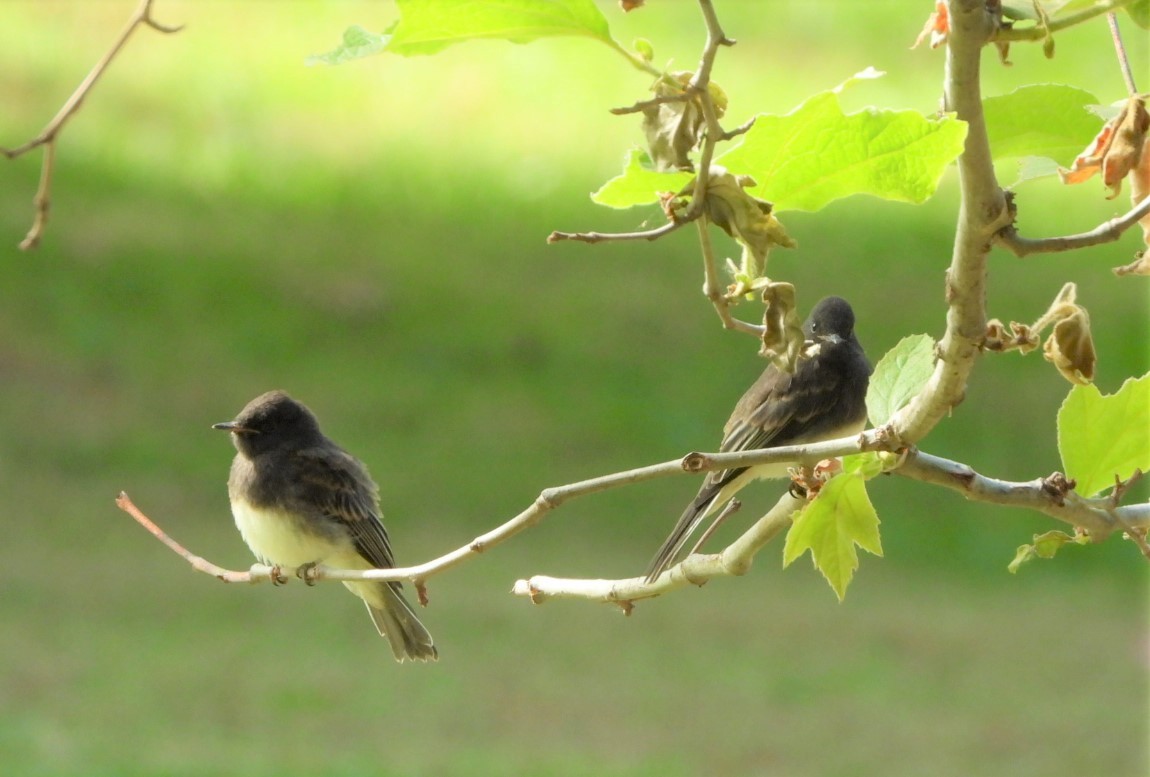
point(277, 537)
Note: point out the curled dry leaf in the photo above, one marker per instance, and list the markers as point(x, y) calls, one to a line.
point(937, 27)
point(745, 218)
point(675, 128)
point(1070, 347)
point(1116, 150)
point(782, 330)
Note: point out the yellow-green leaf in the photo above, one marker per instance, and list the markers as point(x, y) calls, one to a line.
point(899, 375)
point(831, 525)
point(1101, 437)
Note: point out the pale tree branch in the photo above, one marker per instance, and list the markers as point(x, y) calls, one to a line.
point(1107, 232)
point(47, 138)
point(1052, 495)
point(982, 213)
point(713, 290)
point(697, 569)
point(548, 500)
point(1039, 32)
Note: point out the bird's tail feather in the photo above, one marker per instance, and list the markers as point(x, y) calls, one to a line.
point(686, 525)
point(395, 620)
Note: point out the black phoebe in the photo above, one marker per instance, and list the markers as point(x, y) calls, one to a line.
point(299, 499)
point(824, 398)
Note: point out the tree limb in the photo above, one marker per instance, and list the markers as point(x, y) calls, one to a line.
point(548, 500)
point(982, 213)
point(48, 136)
point(1107, 232)
point(1039, 32)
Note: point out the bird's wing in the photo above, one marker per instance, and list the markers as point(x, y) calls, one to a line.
point(352, 499)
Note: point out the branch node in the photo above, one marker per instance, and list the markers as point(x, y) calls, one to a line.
point(1056, 485)
point(695, 462)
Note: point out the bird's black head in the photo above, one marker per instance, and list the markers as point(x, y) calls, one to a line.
point(272, 421)
point(832, 319)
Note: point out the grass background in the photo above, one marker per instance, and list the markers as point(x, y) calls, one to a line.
point(370, 237)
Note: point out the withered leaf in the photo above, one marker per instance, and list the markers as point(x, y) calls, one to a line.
point(674, 129)
point(1070, 347)
point(1115, 151)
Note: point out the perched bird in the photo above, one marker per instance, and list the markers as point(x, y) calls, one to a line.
point(300, 500)
point(824, 398)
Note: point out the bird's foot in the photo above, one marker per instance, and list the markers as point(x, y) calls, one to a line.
point(306, 572)
point(277, 576)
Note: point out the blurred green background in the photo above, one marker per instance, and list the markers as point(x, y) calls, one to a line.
point(371, 238)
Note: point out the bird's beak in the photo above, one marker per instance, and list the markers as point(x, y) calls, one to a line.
point(232, 426)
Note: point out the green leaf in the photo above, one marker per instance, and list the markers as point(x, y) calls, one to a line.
point(899, 375)
point(644, 49)
point(639, 184)
point(1045, 546)
point(1032, 167)
point(1103, 437)
point(867, 465)
point(817, 154)
point(1050, 120)
point(831, 525)
point(1140, 13)
point(429, 26)
point(357, 43)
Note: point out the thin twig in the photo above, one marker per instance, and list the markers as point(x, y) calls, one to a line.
point(713, 289)
point(734, 560)
point(48, 136)
point(1107, 232)
point(1120, 52)
point(599, 237)
point(700, 86)
point(1039, 33)
point(642, 105)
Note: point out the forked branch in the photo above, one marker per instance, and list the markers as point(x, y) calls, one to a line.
point(47, 138)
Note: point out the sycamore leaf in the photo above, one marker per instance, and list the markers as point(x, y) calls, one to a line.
point(830, 527)
point(1140, 12)
point(429, 26)
point(1103, 437)
point(1045, 546)
point(899, 375)
point(639, 184)
point(1046, 120)
point(357, 43)
point(817, 154)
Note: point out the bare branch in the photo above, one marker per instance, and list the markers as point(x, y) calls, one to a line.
point(713, 289)
point(48, 136)
point(1052, 495)
point(599, 237)
point(643, 105)
point(1107, 232)
point(983, 212)
point(734, 560)
point(1120, 51)
point(548, 500)
point(1038, 33)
